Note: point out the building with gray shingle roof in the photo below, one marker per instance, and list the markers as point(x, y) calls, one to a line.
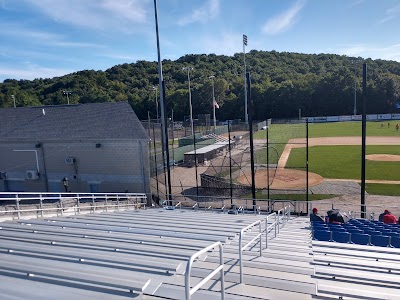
point(99, 147)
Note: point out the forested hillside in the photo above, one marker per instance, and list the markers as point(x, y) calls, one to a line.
point(281, 84)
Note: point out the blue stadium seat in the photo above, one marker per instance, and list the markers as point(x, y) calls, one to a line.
point(322, 235)
point(360, 239)
point(385, 231)
point(351, 230)
point(393, 234)
point(395, 242)
point(380, 240)
point(341, 229)
point(340, 237)
point(318, 224)
point(372, 232)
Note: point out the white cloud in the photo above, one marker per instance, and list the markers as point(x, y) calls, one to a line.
point(42, 37)
point(207, 12)
point(391, 52)
point(96, 14)
point(31, 73)
point(390, 14)
point(283, 21)
point(355, 3)
point(226, 43)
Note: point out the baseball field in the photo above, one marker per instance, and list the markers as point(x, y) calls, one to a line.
point(334, 155)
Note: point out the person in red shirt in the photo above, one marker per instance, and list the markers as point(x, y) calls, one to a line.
point(388, 218)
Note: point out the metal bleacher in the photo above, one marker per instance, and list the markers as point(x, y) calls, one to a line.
point(161, 253)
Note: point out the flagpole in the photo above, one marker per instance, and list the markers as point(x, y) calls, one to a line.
point(214, 103)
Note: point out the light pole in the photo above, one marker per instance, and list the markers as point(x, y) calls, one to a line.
point(246, 117)
point(355, 87)
point(355, 61)
point(156, 90)
point(213, 98)
point(67, 93)
point(13, 97)
point(188, 69)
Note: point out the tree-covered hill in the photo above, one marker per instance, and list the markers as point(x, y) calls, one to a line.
point(282, 83)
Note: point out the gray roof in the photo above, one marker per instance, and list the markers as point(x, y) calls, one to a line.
point(71, 122)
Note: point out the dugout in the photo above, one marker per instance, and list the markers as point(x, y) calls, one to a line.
point(205, 153)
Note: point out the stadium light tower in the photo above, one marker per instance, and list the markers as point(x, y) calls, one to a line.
point(67, 93)
point(246, 117)
point(214, 103)
point(188, 69)
point(13, 98)
point(355, 61)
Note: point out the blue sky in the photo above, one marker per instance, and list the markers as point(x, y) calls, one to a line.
point(47, 38)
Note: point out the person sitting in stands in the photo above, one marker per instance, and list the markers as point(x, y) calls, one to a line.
point(315, 217)
point(389, 218)
point(382, 214)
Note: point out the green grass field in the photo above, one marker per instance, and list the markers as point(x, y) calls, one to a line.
point(344, 162)
point(383, 189)
point(341, 162)
point(287, 131)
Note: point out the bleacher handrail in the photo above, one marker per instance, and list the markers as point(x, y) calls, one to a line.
point(139, 200)
point(242, 248)
point(267, 228)
point(190, 291)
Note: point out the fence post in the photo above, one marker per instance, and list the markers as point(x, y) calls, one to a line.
point(17, 203)
point(78, 204)
point(61, 205)
point(41, 205)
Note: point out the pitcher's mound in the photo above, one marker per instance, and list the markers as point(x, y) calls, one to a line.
point(383, 157)
point(281, 179)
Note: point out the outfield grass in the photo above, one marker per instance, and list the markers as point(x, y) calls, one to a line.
point(334, 129)
point(383, 189)
point(344, 162)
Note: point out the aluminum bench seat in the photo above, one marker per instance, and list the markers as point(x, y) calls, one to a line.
point(358, 276)
point(156, 231)
point(63, 272)
point(358, 291)
point(170, 218)
point(167, 225)
point(133, 227)
point(246, 290)
point(257, 276)
point(10, 289)
point(275, 265)
point(356, 263)
point(111, 236)
point(85, 243)
point(117, 259)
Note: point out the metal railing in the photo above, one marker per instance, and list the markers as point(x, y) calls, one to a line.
point(190, 291)
point(268, 228)
point(284, 216)
point(39, 203)
point(242, 248)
